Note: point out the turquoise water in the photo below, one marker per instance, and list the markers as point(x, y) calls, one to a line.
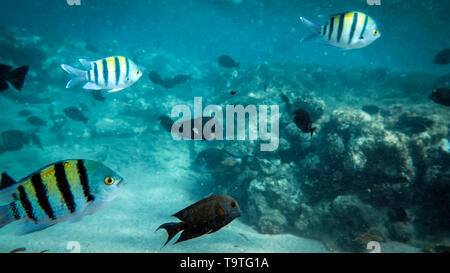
point(361, 177)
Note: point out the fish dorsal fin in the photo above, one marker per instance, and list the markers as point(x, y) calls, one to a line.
point(6, 181)
point(85, 63)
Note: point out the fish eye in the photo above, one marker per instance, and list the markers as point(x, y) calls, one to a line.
point(109, 181)
point(137, 71)
point(233, 204)
point(375, 32)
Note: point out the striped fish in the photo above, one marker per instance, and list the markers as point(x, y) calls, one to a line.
point(112, 73)
point(65, 190)
point(348, 30)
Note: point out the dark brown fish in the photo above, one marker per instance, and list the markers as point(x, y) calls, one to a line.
point(169, 82)
point(441, 96)
point(24, 113)
point(168, 124)
point(155, 77)
point(20, 249)
point(75, 114)
point(36, 121)
point(303, 121)
point(206, 216)
point(15, 77)
point(12, 140)
point(227, 62)
point(97, 95)
point(443, 57)
point(233, 92)
point(371, 109)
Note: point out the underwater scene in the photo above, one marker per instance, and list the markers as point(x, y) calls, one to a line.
point(237, 126)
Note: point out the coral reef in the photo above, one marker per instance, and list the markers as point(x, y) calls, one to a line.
point(382, 176)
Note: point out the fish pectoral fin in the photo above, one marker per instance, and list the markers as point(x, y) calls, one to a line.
point(114, 90)
point(91, 86)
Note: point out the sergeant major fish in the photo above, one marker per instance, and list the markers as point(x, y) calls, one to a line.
point(65, 190)
point(112, 73)
point(347, 30)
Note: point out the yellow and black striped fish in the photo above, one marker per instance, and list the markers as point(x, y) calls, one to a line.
point(112, 73)
point(62, 191)
point(347, 30)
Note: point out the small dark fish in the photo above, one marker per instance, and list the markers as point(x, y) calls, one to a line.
point(44, 251)
point(441, 96)
point(36, 121)
point(217, 161)
point(168, 83)
point(20, 249)
point(24, 113)
point(75, 114)
point(398, 214)
point(206, 216)
point(15, 77)
point(227, 62)
point(443, 57)
point(371, 109)
point(243, 235)
point(303, 121)
point(168, 124)
point(12, 140)
point(179, 79)
point(155, 77)
point(413, 124)
point(233, 92)
point(97, 94)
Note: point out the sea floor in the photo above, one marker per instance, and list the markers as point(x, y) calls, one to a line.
point(155, 189)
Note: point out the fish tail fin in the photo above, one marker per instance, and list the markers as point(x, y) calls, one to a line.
point(78, 75)
point(311, 25)
point(316, 28)
point(172, 230)
point(5, 216)
point(17, 77)
point(312, 131)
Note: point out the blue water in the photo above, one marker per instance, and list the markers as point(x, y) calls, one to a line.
point(358, 173)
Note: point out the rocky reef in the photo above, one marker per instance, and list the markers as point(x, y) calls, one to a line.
point(381, 176)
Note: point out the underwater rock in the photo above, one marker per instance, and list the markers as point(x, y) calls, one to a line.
point(371, 109)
